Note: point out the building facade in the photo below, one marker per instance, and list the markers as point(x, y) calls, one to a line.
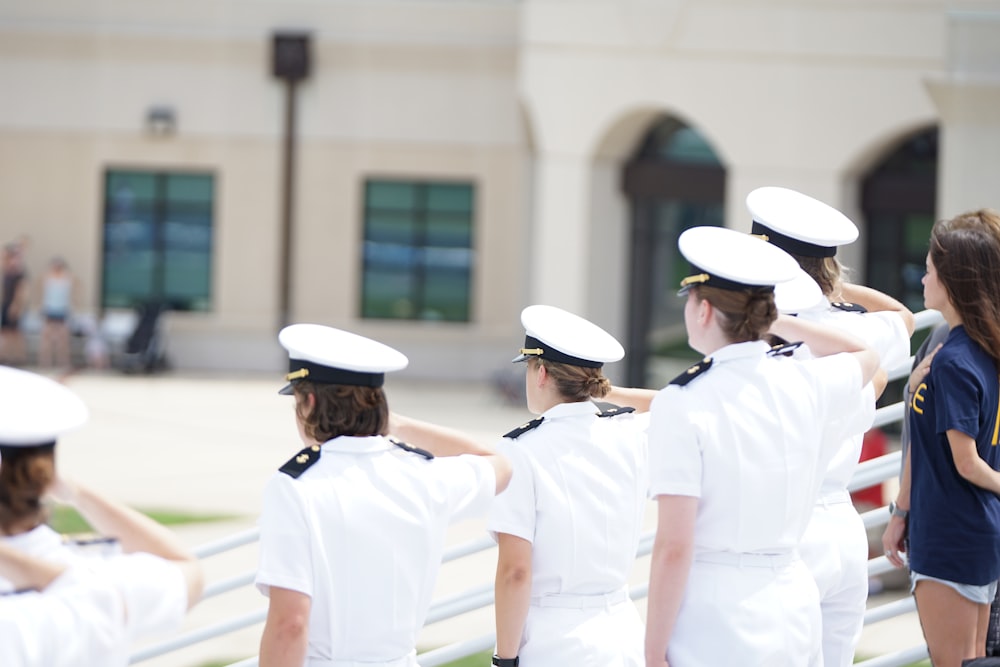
point(455, 160)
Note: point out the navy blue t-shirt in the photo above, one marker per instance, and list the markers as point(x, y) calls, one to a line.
point(954, 524)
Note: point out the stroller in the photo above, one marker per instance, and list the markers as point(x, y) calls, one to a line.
point(145, 350)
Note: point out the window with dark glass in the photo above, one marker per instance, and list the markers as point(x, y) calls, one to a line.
point(418, 251)
point(157, 239)
point(674, 181)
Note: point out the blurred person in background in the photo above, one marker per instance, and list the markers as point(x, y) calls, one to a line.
point(13, 306)
point(58, 293)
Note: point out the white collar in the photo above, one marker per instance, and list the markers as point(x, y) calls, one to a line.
point(571, 410)
point(357, 444)
point(752, 348)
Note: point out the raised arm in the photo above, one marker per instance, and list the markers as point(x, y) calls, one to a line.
point(824, 341)
point(136, 531)
point(633, 397)
point(875, 301)
point(27, 572)
point(444, 441)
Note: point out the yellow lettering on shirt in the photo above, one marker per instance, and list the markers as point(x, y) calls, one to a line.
point(918, 397)
point(996, 426)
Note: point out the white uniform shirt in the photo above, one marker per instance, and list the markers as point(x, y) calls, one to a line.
point(362, 532)
point(92, 612)
point(577, 494)
point(885, 333)
point(41, 542)
point(750, 438)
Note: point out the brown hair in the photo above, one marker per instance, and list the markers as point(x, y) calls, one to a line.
point(746, 314)
point(575, 383)
point(965, 251)
point(25, 475)
point(826, 271)
point(341, 410)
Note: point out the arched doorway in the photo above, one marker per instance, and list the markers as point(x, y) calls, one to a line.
point(898, 199)
point(674, 181)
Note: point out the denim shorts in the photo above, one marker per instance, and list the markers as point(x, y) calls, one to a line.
point(978, 594)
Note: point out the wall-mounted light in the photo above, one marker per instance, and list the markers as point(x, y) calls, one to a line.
point(161, 121)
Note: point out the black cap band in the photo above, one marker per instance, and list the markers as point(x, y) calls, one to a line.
point(552, 354)
point(12, 449)
point(790, 245)
point(306, 370)
point(712, 280)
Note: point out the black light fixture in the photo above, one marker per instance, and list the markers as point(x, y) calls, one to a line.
point(161, 120)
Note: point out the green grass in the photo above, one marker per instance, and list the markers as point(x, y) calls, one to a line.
point(922, 663)
point(67, 520)
point(476, 660)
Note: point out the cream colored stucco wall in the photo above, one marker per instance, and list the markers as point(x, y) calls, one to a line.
point(420, 90)
point(539, 102)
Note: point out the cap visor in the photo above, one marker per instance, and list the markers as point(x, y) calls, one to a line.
point(520, 358)
point(287, 390)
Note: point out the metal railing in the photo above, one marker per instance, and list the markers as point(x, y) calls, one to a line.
point(869, 473)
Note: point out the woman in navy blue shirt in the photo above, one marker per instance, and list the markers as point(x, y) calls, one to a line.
point(948, 496)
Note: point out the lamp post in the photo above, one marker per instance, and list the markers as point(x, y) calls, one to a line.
point(290, 63)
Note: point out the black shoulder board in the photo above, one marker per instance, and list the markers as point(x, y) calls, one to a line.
point(524, 428)
point(410, 448)
point(692, 372)
point(301, 462)
point(611, 410)
point(19, 591)
point(785, 350)
point(88, 540)
point(849, 307)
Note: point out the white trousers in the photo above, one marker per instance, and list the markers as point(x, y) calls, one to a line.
point(748, 615)
point(835, 549)
point(610, 635)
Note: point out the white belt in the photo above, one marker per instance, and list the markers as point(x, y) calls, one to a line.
point(405, 661)
point(834, 498)
point(566, 601)
point(747, 559)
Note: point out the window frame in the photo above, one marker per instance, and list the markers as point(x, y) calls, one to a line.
point(418, 272)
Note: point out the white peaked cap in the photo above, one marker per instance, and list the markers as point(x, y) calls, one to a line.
point(35, 409)
point(326, 355)
point(555, 334)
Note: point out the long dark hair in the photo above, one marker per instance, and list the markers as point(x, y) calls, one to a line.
point(965, 251)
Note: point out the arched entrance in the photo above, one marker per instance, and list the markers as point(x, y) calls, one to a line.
point(674, 181)
point(898, 198)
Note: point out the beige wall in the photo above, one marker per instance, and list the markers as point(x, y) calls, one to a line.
point(399, 89)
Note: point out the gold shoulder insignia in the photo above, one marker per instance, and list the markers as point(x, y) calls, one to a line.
point(301, 462)
point(692, 372)
point(524, 428)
